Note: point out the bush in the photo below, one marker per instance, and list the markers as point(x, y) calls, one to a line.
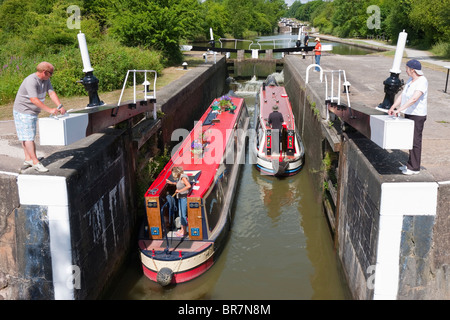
point(12, 72)
point(323, 24)
point(110, 61)
point(442, 49)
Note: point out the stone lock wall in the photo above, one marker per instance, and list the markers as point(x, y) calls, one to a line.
point(391, 231)
point(74, 224)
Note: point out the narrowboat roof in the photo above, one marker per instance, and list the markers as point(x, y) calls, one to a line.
point(215, 128)
point(276, 95)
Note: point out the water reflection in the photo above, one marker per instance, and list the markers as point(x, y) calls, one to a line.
point(280, 246)
point(285, 41)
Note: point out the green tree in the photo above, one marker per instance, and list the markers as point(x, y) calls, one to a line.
point(189, 17)
point(152, 24)
point(217, 17)
point(36, 30)
point(433, 18)
point(426, 21)
point(290, 13)
point(398, 20)
point(349, 18)
point(51, 33)
point(239, 17)
point(273, 10)
point(16, 16)
point(305, 11)
point(385, 8)
point(260, 16)
point(321, 17)
point(100, 10)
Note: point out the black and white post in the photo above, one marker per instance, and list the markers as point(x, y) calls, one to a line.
point(89, 81)
point(393, 84)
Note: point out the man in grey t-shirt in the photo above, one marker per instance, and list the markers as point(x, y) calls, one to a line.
point(29, 103)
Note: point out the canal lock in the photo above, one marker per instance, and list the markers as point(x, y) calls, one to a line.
point(324, 165)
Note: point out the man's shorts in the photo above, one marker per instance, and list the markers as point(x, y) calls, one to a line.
point(25, 126)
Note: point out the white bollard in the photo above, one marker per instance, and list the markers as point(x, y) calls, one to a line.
point(399, 52)
point(84, 53)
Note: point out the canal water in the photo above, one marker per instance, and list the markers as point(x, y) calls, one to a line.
point(279, 248)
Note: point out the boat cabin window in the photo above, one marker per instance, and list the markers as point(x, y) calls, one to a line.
point(213, 205)
point(214, 202)
point(243, 117)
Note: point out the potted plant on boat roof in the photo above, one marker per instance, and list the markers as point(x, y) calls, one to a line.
point(226, 104)
point(197, 147)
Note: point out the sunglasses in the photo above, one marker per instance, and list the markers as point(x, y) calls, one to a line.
point(51, 73)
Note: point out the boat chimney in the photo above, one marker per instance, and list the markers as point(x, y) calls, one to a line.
point(393, 84)
point(89, 81)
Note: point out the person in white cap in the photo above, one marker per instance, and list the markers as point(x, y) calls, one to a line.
point(413, 103)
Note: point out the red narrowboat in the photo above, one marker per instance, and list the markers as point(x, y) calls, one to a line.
point(211, 156)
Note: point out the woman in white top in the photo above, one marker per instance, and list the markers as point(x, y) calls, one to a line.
point(413, 103)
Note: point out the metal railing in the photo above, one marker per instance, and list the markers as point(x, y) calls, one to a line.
point(146, 85)
point(221, 40)
point(275, 41)
point(258, 42)
point(332, 97)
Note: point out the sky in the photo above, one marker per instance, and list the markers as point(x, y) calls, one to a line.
point(289, 2)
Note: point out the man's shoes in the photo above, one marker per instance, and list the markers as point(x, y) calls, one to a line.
point(409, 172)
point(27, 164)
point(402, 168)
point(39, 167)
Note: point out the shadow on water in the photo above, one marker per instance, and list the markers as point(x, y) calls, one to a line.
point(279, 248)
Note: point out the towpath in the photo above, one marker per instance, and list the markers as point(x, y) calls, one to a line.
point(421, 55)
